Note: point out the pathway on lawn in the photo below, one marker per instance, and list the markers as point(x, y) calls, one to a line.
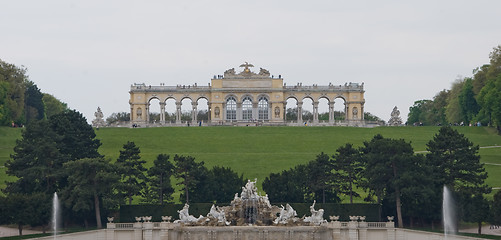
point(479, 147)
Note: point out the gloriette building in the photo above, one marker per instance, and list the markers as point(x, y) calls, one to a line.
point(247, 98)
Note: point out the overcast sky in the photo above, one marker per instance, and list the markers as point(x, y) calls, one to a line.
point(88, 53)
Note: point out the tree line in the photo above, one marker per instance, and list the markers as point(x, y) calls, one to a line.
point(471, 100)
point(21, 101)
point(401, 182)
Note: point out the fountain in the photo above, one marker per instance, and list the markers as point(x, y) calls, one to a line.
point(448, 212)
point(55, 213)
point(251, 216)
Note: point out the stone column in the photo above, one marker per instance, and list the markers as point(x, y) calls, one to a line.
point(315, 112)
point(300, 113)
point(194, 112)
point(162, 113)
point(239, 112)
point(331, 112)
point(346, 113)
point(132, 114)
point(138, 230)
point(147, 110)
point(148, 231)
point(352, 230)
point(110, 231)
point(255, 112)
point(362, 112)
point(178, 112)
point(284, 112)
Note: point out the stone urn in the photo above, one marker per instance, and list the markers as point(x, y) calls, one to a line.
point(166, 218)
point(110, 219)
point(334, 218)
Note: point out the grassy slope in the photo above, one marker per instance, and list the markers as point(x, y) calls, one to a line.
point(258, 151)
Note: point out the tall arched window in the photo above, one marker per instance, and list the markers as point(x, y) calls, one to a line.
point(247, 108)
point(231, 108)
point(263, 108)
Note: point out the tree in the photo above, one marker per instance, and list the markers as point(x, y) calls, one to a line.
point(118, 117)
point(453, 111)
point(287, 186)
point(189, 174)
point(475, 209)
point(291, 114)
point(386, 163)
point(89, 181)
point(320, 180)
point(467, 102)
point(131, 169)
point(53, 105)
point(495, 214)
point(14, 79)
point(159, 179)
point(456, 162)
point(77, 138)
point(347, 165)
point(33, 103)
point(224, 183)
point(20, 208)
point(37, 161)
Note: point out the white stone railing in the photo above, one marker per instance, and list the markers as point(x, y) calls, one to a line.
point(377, 224)
point(124, 225)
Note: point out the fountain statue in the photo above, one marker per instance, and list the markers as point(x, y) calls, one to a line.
point(185, 217)
point(317, 216)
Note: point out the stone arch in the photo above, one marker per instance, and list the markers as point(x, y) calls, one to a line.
point(323, 110)
point(291, 109)
point(169, 111)
point(186, 108)
point(340, 105)
point(154, 109)
point(307, 108)
point(202, 110)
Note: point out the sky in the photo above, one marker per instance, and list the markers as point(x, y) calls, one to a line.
point(88, 53)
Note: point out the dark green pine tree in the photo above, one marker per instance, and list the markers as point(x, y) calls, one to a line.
point(456, 162)
point(33, 103)
point(159, 179)
point(36, 162)
point(77, 138)
point(131, 169)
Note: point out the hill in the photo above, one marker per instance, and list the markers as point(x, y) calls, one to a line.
point(258, 151)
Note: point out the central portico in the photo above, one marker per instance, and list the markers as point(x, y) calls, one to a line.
point(246, 97)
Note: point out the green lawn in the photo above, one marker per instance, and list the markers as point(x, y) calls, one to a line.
point(258, 151)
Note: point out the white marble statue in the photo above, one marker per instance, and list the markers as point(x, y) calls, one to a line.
point(185, 217)
point(317, 216)
point(218, 214)
point(286, 213)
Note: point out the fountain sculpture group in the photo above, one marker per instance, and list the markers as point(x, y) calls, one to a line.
point(251, 216)
point(250, 208)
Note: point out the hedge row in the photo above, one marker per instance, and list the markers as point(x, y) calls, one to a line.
point(129, 212)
